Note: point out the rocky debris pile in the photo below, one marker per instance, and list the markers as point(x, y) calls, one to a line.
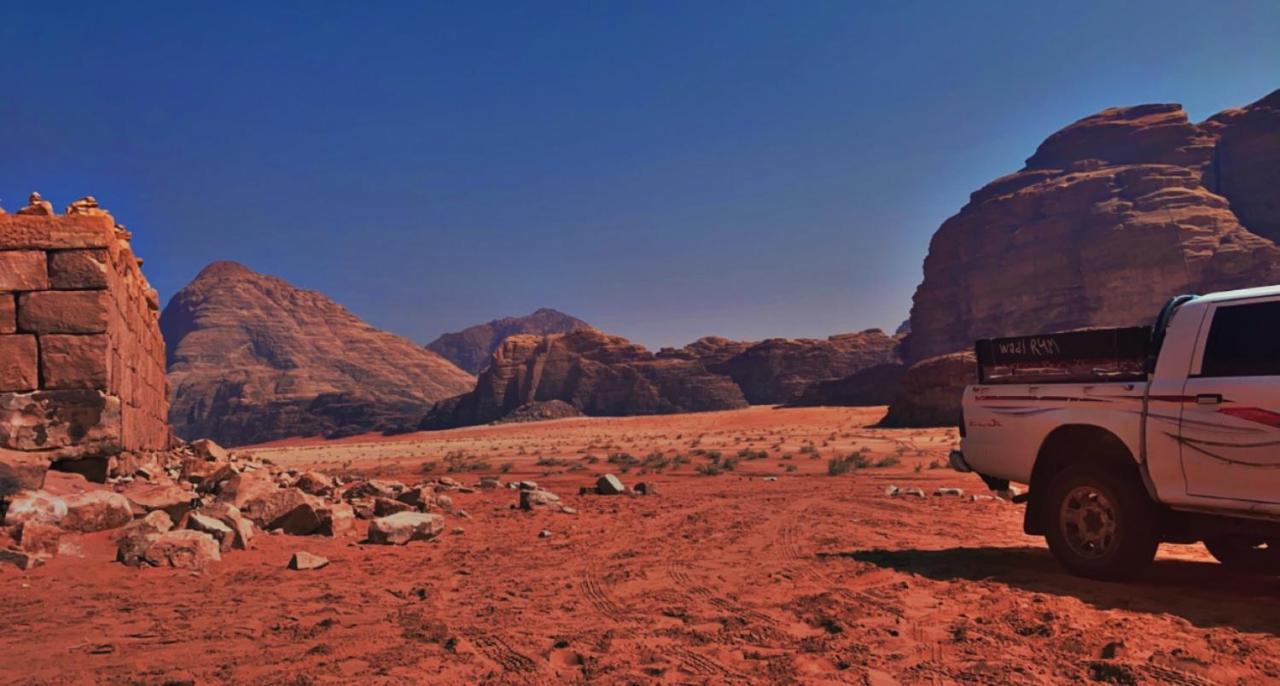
point(609, 484)
point(597, 374)
point(1109, 218)
point(472, 347)
point(190, 505)
point(540, 411)
point(253, 358)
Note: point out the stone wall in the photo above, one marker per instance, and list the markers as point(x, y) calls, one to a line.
point(81, 356)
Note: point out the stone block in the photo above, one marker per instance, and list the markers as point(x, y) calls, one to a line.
point(32, 232)
point(68, 361)
point(18, 363)
point(78, 269)
point(23, 270)
point(21, 471)
point(75, 423)
point(64, 311)
point(8, 313)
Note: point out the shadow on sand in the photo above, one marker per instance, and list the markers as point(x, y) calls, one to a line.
point(1204, 593)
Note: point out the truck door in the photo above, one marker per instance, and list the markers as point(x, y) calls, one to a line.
point(1229, 433)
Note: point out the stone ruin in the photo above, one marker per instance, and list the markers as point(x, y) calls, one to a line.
point(82, 376)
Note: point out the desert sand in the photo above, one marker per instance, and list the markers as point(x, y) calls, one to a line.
point(772, 572)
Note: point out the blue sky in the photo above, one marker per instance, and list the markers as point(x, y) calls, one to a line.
point(662, 170)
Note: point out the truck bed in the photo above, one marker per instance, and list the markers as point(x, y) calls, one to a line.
point(1084, 356)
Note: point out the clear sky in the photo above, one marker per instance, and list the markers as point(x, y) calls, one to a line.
point(662, 170)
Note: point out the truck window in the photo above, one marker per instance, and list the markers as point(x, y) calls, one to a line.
point(1244, 340)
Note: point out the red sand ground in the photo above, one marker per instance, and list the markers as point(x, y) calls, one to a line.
point(719, 579)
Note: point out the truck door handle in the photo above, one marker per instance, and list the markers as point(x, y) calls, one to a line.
point(1208, 398)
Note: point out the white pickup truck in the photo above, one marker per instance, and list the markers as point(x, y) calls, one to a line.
point(1133, 437)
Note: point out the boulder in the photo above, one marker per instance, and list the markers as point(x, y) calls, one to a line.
point(303, 561)
point(420, 498)
point(384, 507)
point(287, 509)
point(206, 449)
point(315, 483)
point(245, 487)
point(185, 549)
point(172, 499)
point(96, 511)
point(403, 527)
point(39, 539)
point(229, 515)
point(223, 534)
point(137, 537)
point(610, 485)
point(374, 488)
point(337, 519)
point(38, 506)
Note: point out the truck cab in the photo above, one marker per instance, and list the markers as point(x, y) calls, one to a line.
point(1130, 437)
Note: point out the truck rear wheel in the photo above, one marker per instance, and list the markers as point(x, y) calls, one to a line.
point(1100, 524)
point(1246, 554)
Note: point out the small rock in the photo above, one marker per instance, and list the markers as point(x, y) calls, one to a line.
point(399, 529)
point(385, 507)
point(489, 482)
point(1113, 650)
point(537, 498)
point(185, 549)
point(891, 490)
point(544, 534)
point(957, 492)
point(419, 498)
point(457, 531)
point(37, 205)
point(770, 478)
point(224, 534)
point(303, 561)
point(315, 483)
point(20, 559)
point(644, 488)
point(914, 492)
point(527, 485)
point(610, 485)
point(229, 515)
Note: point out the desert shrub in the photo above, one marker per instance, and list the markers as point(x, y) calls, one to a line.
point(428, 467)
point(679, 459)
point(791, 468)
point(889, 461)
point(713, 455)
point(591, 459)
point(655, 461)
point(552, 462)
point(843, 465)
point(506, 467)
point(749, 454)
point(708, 469)
point(937, 464)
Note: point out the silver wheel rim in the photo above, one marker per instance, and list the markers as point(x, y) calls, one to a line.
point(1088, 522)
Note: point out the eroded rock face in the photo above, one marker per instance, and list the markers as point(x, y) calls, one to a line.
point(253, 358)
point(880, 384)
point(599, 374)
point(931, 391)
point(1110, 217)
point(472, 347)
point(778, 370)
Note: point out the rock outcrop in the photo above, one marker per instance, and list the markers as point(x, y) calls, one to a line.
point(931, 390)
point(598, 374)
point(879, 384)
point(779, 370)
point(1109, 218)
point(253, 358)
point(471, 348)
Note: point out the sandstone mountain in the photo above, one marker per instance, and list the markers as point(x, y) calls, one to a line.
point(597, 374)
point(252, 358)
point(879, 384)
point(471, 347)
point(779, 370)
point(1110, 217)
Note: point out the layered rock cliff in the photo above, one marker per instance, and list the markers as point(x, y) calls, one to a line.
point(252, 358)
point(1110, 217)
point(471, 348)
point(779, 370)
point(597, 374)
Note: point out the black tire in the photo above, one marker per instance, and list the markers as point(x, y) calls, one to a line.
point(1245, 554)
point(1100, 524)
